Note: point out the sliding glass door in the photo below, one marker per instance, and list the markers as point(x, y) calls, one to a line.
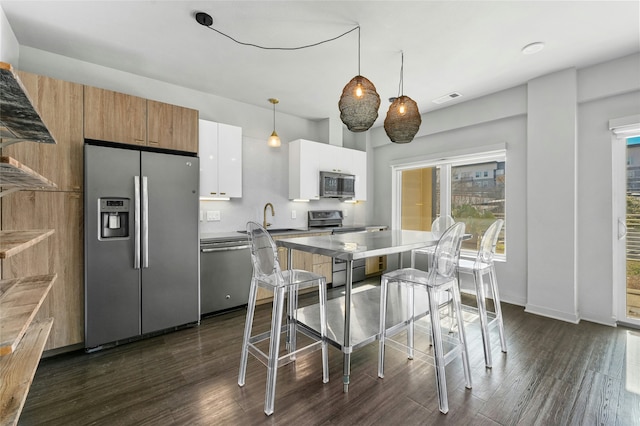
point(626, 227)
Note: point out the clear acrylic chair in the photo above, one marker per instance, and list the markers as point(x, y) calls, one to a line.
point(479, 267)
point(438, 281)
point(268, 274)
point(439, 225)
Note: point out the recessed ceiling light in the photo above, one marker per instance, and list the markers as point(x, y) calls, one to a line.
point(532, 48)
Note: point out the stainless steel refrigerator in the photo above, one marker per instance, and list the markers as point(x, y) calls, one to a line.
point(141, 242)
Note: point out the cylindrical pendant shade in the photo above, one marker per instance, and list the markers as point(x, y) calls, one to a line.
point(402, 127)
point(359, 111)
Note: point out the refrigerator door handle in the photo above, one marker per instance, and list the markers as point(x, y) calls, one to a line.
point(145, 222)
point(136, 223)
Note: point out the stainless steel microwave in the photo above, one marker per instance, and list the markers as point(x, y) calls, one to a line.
point(337, 185)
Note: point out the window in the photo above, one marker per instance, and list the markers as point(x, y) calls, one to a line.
point(430, 189)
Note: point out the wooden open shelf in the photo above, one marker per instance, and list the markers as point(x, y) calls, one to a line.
point(14, 174)
point(18, 369)
point(22, 340)
point(19, 120)
point(20, 300)
point(13, 242)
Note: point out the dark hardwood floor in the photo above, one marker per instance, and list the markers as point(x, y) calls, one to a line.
point(555, 373)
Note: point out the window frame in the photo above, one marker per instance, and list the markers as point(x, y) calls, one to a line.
point(445, 162)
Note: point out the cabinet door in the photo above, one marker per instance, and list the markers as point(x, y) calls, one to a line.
point(333, 158)
point(208, 148)
point(229, 161)
point(172, 127)
point(304, 181)
point(60, 105)
point(114, 117)
point(61, 254)
point(359, 168)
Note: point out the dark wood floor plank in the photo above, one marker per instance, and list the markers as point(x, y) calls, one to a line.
point(554, 373)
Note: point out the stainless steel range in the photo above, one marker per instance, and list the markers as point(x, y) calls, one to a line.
point(332, 219)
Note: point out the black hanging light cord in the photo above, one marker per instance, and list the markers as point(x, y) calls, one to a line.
point(206, 20)
point(401, 84)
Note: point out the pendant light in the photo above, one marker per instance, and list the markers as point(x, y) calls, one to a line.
point(403, 118)
point(359, 102)
point(274, 139)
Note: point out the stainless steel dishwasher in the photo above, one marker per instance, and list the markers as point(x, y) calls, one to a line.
point(225, 273)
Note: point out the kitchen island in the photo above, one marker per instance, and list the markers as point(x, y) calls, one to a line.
point(360, 328)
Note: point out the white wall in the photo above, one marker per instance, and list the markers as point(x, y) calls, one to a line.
point(265, 171)
point(551, 195)
point(602, 92)
point(8, 43)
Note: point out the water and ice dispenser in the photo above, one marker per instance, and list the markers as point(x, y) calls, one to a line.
point(114, 218)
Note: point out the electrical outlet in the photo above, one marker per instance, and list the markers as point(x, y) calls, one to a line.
point(293, 214)
point(216, 215)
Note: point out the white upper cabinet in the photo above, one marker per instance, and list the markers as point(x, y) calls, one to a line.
point(304, 161)
point(220, 147)
point(307, 159)
point(359, 161)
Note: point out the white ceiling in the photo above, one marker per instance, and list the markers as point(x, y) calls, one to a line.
point(470, 47)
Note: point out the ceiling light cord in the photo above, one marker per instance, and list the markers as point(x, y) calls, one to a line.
point(401, 84)
point(295, 47)
point(358, 27)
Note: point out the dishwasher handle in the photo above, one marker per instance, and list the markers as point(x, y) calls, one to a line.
point(212, 250)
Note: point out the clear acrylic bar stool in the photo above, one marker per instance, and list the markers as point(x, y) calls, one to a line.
point(440, 279)
point(481, 266)
point(439, 225)
point(268, 274)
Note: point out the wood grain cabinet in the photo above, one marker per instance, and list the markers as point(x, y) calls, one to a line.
point(375, 265)
point(62, 254)
point(172, 127)
point(118, 117)
point(114, 117)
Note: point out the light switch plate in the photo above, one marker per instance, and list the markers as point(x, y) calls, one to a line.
point(213, 215)
point(293, 214)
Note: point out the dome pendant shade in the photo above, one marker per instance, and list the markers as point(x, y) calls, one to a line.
point(359, 104)
point(402, 127)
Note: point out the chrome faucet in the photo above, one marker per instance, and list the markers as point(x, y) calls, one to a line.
point(273, 213)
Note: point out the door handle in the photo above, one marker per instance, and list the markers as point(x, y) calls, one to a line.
point(145, 222)
point(624, 229)
point(136, 222)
